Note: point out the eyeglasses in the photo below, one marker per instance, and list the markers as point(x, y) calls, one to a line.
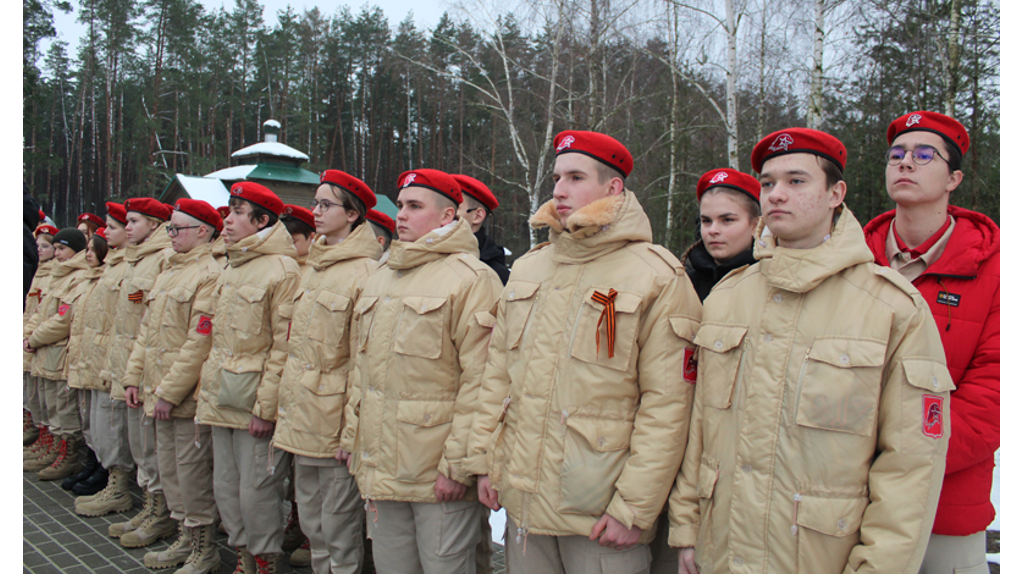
point(922, 155)
point(323, 204)
point(173, 231)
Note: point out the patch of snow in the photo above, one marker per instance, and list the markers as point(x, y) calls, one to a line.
point(498, 526)
point(272, 124)
point(271, 148)
point(208, 189)
point(993, 558)
point(995, 493)
point(237, 173)
point(507, 252)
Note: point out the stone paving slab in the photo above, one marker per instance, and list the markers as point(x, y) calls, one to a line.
point(55, 540)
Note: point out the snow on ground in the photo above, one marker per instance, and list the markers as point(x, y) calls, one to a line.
point(498, 526)
point(995, 494)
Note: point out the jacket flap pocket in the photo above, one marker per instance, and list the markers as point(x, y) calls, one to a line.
point(424, 305)
point(625, 302)
point(604, 435)
point(180, 294)
point(143, 283)
point(684, 327)
point(706, 480)
point(251, 294)
point(333, 301)
point(518, 290)
point(720, 338)
point(484, 319)
point(831, 516)
point(928, 375)
point(847, 353)
point(426, 413)
point(365, 304)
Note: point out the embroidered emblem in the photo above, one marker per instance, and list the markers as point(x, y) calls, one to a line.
point(63, 309)
point(136, 297)
point(287, 211)
point(932, 424)
point(205, 326)
point(566, 142)
point(719, 177)
point(781, 143)
point(409, 179)
point(608, 317)
point(913, 119)
point(951, 299)
point(690, 366)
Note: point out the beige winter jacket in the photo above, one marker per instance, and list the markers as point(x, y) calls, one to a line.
point(143, 262)
point(105, 298)
point(174, 339)
point(82, 372)
point(314, 386)
point(219, 250)
point(49, 328)
point(566, 430)
point(422, 326)
point(250, 332)
point(35, 296)
point(815, 446)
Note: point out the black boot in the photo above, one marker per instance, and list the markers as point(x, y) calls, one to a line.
point(94, 483)
point(91, 464)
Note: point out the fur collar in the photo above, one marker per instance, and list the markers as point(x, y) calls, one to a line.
point(595, 214)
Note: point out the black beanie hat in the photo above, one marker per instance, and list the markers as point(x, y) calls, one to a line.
point(71, 237)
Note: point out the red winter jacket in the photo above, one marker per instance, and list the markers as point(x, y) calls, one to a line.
point(969, 269)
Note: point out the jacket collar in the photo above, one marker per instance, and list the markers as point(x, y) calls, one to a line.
point(800, 270)
point(360, 243)
point(273, 240)
point(156, 241)
point(186, 258)
point(596, 229)
point(456, 237)
point(75, 263)
point(114, 256)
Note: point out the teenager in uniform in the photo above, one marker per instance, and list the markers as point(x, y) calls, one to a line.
point(422, 325)
point(219, 248)
point(35, 421)
point(145, 258)
point(821, 414)
point(383, 228)
point(582, 417)
point(161, 375)
point(477, 204)
point(80, 371)
point(729, 211)
point(90, 223)
point(951, 255)
point(314, 385)
point(238, 386)
point(300, 225)
point(108, 418)
point(46, 337)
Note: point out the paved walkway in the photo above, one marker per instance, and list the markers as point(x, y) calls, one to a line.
point(58, 541)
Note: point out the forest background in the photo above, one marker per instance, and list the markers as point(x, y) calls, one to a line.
point(159, 87)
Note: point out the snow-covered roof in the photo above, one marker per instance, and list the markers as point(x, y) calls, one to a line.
point(237, 173)
point(208, 189)
point(272, 124)
point(271, 148)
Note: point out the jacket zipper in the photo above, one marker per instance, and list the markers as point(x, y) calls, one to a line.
point(575, 326)
point(800, 385)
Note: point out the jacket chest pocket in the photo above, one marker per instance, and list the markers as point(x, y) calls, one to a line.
point(363, 320)
point(596, 327)
point(839, 385)
point(718, 363)
point(328, 323)
point(247, 312)
point(421, 327)
point(178, 308)
point(595, 450)
point(137, 291)
point(519, 302)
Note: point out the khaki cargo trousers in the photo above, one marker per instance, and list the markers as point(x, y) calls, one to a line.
point(184, 452)
point(32, 399)
point(955, 555)
point(61, 408)
point(424, 537)
point(539, 554)
point(142, 441)
point(108, 425)
point(331, 514)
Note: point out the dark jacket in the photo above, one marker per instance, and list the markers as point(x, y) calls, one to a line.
point(704, 273)
point(493, 255)
point(30, 254)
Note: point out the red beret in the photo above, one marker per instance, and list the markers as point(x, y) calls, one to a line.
point(258, 195)
point(603, 148)
point(201, 210)
point(351, 184)
point(42, 215)
point(301, 213)
point(798, 140)
point(381, 219)
point(223, 211)
point(148, 206)
point(433, 179)
point(117, 212)
point(93, 219)
point(477, 190)
point(101, 232)
point(732, 179)
point(951, 130)
point(47, 229)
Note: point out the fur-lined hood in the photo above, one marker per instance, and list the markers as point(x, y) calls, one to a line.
point(596, 228)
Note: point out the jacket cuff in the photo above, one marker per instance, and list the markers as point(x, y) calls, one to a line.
point(682, 536)
point(162, 394)
point(454, 471)
point(626, 514)
point(476, 464)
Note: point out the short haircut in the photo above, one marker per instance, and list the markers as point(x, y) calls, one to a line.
point(955, 157)
point(606, 172)
point(99, 245)
point(473, 203)
point(753, 208)
point(295, 225)
point(443, 202)
point(381, 231)
point(257, 212)
point(833, 174)
point(349, 202)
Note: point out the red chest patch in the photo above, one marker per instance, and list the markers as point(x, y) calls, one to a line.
point(205, 326)
point(932, 423)
point(63, 309)
point(690, 366)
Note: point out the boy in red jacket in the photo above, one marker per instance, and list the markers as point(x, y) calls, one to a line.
point(952, 256)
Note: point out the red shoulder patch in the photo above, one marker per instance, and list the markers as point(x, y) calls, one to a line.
point(932, 423)
point(690, 366)
point(63, 309)
point(205, 326)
